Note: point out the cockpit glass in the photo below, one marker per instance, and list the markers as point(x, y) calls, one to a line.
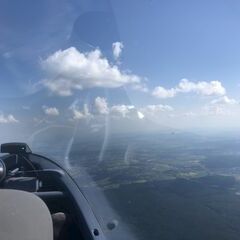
point(138, 100)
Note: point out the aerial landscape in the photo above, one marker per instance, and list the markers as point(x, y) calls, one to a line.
point(168, 185)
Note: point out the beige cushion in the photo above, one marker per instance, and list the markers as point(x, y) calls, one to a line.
point(24, 216)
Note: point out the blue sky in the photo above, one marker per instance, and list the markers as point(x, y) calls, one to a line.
point(162, 42)
point(182, 39)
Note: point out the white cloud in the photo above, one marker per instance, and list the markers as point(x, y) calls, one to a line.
point(131, 111)
point(213, 88)
point(51, 111)
point(202, 88)
point(126, 111)
point(161, 92)
point(101, 105)
point(117, 48)
point(8, 119)
point(69, 70)
point(78, 115)
point(223, 106)
point(158, 108)
point(224, 100)
point(122, 110)
point(156, 111)
point(119, 111)
point(211, 110)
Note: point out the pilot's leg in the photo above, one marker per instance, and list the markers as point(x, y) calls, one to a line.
point(61, 223)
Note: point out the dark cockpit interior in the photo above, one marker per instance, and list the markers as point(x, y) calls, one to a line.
point(38, 199)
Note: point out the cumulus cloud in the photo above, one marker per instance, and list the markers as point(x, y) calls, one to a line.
point(68, 70)
point(224, 100)
point(51, 111)
point(155, 111)
point(122, 110)
point(101, 105)
point(202, 88)
point(161, 92)
point(117, 48)
point(78, 115)
point(131, 111)
point(223, 105)
point(157, 108)
point(210, 110)
point(212, 88)
point(8, 119)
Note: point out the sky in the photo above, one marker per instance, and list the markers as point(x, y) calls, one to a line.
point(173, 63)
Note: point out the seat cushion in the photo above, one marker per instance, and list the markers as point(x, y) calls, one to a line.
point(24, 216)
